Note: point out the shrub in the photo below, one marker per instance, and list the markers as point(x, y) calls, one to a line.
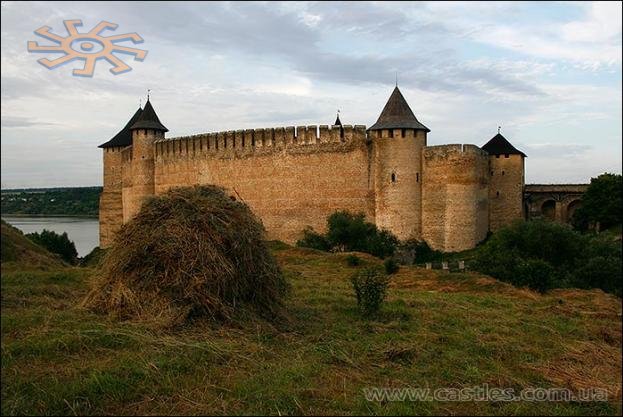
point(535, 274)
point(55, 243)
point(350, 232)
point(313, 240)
point(391, 266)
point(370, 285)
point(599, 272)
point(353, 260)
point(543, 255)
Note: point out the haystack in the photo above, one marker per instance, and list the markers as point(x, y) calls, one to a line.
point(191, 252)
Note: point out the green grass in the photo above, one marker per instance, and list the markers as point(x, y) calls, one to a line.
point(436, 330)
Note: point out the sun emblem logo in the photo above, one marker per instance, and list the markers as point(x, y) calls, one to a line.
point(88, 47)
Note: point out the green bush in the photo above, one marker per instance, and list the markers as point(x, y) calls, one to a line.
point(55, 243)
point(543, 255)
point(536, 274)
point(370, 285)
point(351, 232)
point(599, 272)
point(313, 240)
point(353, 260)
point(391, 266)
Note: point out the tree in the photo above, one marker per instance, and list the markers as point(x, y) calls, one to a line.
point(55, 243)
point(602, 203)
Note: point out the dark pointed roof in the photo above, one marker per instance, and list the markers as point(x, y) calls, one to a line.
point(397, 115)
point(337, 121)
point(498, 145)
point(124, 137)
point(149, 120)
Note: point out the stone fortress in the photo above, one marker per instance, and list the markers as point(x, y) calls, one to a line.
point(450, 196)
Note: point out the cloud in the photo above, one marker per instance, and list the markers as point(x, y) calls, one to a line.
point(550, 75)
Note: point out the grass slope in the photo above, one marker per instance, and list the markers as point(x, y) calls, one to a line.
point(20, 252)
point(436, 330)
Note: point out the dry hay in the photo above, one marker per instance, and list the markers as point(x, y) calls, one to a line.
point(191, 252)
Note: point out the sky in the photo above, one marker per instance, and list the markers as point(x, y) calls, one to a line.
point(548, 73)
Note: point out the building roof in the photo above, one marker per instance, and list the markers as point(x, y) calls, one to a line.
point(149, 120)
point(498, 145)
point(338, 122)
point(397, 115)
point(124, 137)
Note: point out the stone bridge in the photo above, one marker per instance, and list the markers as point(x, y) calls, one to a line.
point(553, 201)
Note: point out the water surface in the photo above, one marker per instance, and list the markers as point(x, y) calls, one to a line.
point(83, 231)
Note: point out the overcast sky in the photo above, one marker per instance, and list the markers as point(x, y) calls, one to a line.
point(548, 73)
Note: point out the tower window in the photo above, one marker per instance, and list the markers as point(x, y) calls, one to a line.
point(393, 177)
point(497, 156)
point(417, 177)
point(491, 173)
point(505, 155)
point(404, 133)
point(502, 172)
point(497, 193)
point(391, 133)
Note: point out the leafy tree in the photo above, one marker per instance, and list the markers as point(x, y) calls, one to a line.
point(55, 243)
point(602, 203)
point(543, 255)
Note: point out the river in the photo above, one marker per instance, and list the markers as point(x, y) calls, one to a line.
point(83, 231)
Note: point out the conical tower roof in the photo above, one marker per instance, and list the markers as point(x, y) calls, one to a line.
point(149, 120)
point(124, 137)
point(498, 145)
point(397, 115)
point(338, 122)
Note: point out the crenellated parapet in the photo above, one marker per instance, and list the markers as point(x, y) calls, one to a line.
point(257, 142)
point(458, 150)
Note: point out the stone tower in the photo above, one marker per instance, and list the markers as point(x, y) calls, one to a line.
point(140, 183)
point(111, 205)
point(398, 139)
point(506, 182)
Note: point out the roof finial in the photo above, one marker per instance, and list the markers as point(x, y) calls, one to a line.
point(140, 102)
point(396, 78)
point(148, 91)
point(499, 127)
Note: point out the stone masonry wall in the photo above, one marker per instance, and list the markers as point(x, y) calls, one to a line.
point(454, 196)
point(291, 178)
point(110, 208)
point(505, 190)
point(398, 171)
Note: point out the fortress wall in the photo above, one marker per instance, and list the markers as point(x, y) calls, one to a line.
point(455, 212)
point(398, 165)
point(110, 204)
point(126, 182)
point(505, 190)
point(290, 177)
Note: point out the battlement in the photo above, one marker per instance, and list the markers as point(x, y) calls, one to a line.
point(249, 142)
point(444, 151)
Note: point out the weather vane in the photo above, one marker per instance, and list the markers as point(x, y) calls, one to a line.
point(499, 127)
point(148, 91)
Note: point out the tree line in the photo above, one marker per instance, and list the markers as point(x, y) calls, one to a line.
point(78, 201)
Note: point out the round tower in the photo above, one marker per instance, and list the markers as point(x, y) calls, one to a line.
point(111, 203)
point(145, 131)
point(398, 139)
point(506, 182)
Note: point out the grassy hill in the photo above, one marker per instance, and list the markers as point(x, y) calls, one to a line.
point(20, 252)
point(437, 330)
